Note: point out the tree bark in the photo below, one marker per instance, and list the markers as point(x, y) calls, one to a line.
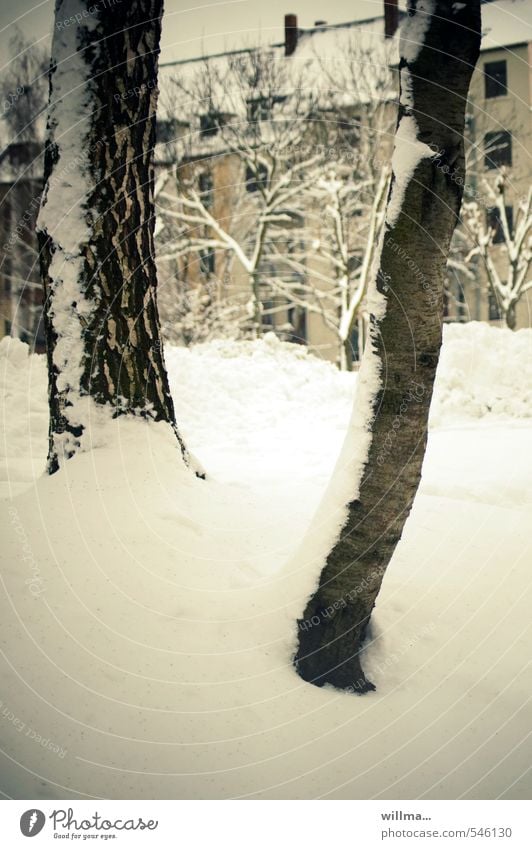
point(405, 335)
point(96, 221)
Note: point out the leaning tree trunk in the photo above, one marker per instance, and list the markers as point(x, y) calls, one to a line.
point(439, 48)
point(96, 221)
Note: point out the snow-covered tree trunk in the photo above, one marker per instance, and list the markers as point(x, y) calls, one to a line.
point(96, 221)
point(380, 466)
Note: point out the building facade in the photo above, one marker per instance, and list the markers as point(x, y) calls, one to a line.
point(499, 139)
point(499, 131)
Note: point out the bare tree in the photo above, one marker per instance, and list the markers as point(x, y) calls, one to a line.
point(96, 222)
point(358, 97)
point(256, 113)
point(440, 44)
point(191, 314)
point(23, 95)
point(313, 247)
point(344, 215)
point(465, 278)
point(23, 89)
point(503, 243)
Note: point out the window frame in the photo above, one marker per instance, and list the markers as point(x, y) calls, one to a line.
point(254, 182)
point(493, 222)
point(494, 309)
point(206, 188)
point(493, 86)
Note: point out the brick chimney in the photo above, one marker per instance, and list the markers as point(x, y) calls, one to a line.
point(291, 34)
point(391, 18)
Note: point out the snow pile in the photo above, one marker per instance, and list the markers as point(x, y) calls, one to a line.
point(483, 372)
point(227, 394)
point(23, 412)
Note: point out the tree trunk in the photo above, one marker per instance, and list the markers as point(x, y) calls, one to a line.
point(256, 305)
point(346, 355)
point(510, 316)
point(97, 220)
point(439, 49)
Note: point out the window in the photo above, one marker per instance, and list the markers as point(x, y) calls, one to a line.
point(268, 305)
point(494, 311)
point(166, 131)
point(493, 220)
point(210, 123)
point(355, 344)
point(497, 149)
point(206, 189)
point(495, 84)
point(207, 262)
point(261, 108)
point(258, 109)
point(297, 319)
point(7, 272)
point(349, 128)
point(256, 178)
point(461, 306)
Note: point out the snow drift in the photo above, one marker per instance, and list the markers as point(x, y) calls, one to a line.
point(248, 387)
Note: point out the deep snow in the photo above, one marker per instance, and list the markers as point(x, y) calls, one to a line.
point(148, 617)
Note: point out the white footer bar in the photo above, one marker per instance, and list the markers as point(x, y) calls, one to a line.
point(267, 824)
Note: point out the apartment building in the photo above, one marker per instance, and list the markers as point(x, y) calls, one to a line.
point(499, 132)
point(499, 136)
point(312, 58)
point(498, 117)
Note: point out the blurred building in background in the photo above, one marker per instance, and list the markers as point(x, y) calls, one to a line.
point(499, 140)
point(21, 169)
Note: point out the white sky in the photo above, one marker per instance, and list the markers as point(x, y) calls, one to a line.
point(191, 27)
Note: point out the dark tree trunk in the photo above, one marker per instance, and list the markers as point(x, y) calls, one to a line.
point(346, 355)
point(511, 316)
point(405, 338)
point(97, 220)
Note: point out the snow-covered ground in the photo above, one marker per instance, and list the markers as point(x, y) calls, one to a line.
point(148, 617)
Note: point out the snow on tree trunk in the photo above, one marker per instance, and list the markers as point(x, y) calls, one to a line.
point(380, 466)
point(96, 222)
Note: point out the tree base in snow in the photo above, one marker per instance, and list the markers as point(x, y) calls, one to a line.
point(329, 648)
